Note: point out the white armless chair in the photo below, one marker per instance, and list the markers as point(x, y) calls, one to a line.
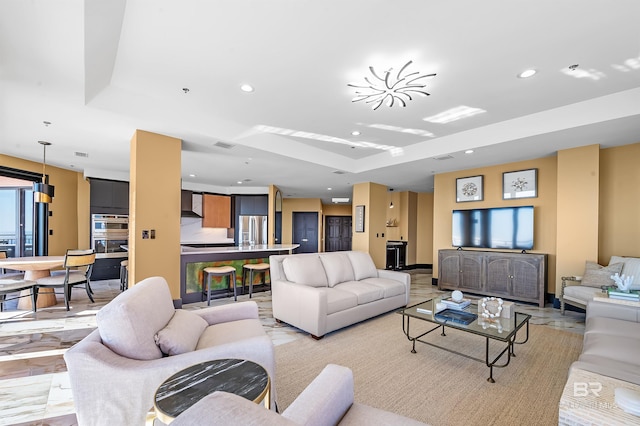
point(78, 265)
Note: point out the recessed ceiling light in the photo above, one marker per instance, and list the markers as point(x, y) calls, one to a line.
point(239, 182)
point(192, 175)
point(247, 88)
point(469, 151)
point(527, 73)
point(329, 189)
point(355, 133)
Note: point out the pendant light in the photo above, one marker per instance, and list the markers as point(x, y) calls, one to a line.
point(42, 191)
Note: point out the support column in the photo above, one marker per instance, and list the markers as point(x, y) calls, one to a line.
point(154, 208)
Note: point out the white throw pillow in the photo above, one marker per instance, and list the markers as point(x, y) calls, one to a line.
point(631, 268)
point(337, 267)
point(182, 333)
point(305, 269)
point(363, 266)
point(597, 276)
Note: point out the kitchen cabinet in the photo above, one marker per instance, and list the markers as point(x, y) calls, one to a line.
point(109, 196)
point(216, 211)
point(517, 276)
point(252, 205)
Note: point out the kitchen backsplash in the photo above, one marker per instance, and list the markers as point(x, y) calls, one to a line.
point(192, 232)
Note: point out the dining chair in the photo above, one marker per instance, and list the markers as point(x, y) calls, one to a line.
point(78, 265)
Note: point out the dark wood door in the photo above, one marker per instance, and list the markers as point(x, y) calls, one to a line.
point(305, 231)
point(338, 233)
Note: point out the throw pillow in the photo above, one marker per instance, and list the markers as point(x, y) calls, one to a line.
point(182, 333)
point(631, 268)
point(597, 275)
point(305, 269)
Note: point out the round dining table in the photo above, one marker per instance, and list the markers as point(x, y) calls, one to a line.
point(35, 267)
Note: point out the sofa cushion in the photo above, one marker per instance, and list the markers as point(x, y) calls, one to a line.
point(366, 293)
point(597, 276)
point(229, 332)
point(181, 334)
point(391, 288)
point(613, 326)
point(580, 293)
point(305, 269)
point(611, 346)
point(338, 268)
point(631, 267)
point(128, 324)
point(338, 300)
point(363, 266)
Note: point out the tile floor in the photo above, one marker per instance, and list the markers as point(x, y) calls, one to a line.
point(34, 385)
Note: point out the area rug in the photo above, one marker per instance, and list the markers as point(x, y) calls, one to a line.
point(433, 385)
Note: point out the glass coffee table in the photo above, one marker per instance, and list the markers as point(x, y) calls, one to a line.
point(502, 330)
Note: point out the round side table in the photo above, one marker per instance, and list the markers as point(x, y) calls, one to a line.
point(188, 386)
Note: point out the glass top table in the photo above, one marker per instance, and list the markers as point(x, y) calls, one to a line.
point(502, 330)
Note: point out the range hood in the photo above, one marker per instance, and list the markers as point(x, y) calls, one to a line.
point(191, 205)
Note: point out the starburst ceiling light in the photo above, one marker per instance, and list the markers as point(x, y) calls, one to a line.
point(42, 191)
point(389, 87)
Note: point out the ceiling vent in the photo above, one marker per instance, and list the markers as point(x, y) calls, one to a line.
point(339, 172)
point(81, 154)
point(444, 157)
point(224, 145)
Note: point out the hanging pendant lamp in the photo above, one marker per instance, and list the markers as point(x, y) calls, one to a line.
point(42, 191)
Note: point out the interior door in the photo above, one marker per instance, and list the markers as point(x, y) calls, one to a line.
point(338, 233)
point(305, 231)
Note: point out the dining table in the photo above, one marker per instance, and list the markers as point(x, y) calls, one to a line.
point(35, 267)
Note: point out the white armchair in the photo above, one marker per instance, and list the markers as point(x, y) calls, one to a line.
point(141, 340)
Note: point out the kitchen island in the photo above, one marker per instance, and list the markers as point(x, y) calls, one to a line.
point(194, 259)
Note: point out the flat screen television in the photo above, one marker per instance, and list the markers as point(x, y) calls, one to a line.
point(496, 228)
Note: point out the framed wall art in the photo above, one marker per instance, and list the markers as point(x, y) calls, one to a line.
point(469, 189)
point(359, 218)
point(520, 184)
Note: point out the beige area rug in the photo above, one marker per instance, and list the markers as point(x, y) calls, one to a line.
point(433, 385)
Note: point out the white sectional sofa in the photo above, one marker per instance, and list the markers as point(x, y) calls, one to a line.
point(323, 292)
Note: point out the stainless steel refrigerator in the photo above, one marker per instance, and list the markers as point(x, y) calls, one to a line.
point(252, 230)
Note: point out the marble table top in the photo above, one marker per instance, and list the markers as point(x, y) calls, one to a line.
point(188, 386)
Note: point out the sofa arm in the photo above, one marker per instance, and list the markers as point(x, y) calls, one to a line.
point(222, 408)
point(403, 277)
point(300, 305)
point(612, 310)
point(326, 400)
point(228, 313)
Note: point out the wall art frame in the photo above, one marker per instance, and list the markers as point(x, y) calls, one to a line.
point(470, 189)
point(520, 184)
point(359, 225)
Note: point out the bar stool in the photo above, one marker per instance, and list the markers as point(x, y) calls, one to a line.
point(124, 275)
point(251, 268)
point(219, 271)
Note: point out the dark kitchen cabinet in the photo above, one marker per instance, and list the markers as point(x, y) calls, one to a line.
point(109, 196)
point(252, 205)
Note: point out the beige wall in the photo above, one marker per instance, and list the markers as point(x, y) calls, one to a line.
point(291, 205)
point(154, 203)
point(577, 213)
point(619, 221)
point(70, 227)
point(424, 229)
point(544, 214)
point(374, 197)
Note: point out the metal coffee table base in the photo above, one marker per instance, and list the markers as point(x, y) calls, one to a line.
point(509, 349)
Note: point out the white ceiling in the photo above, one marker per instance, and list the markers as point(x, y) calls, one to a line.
point(98, 70)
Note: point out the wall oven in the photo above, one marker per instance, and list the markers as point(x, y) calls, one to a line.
point(109, 233)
